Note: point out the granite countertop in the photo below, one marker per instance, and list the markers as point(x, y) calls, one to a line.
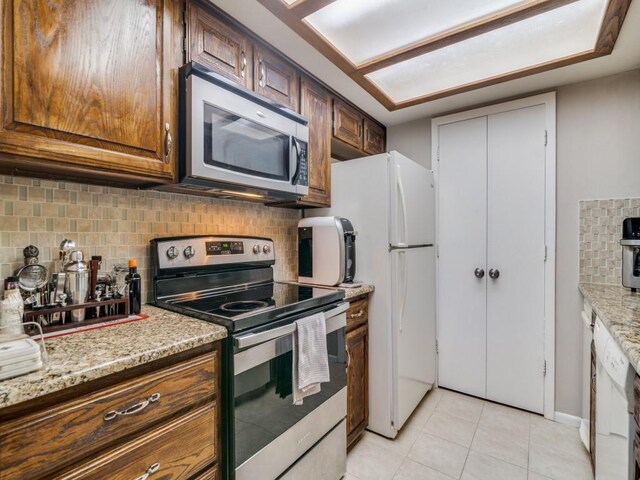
point(86, 356)
point(349, 293)
point(619, 310)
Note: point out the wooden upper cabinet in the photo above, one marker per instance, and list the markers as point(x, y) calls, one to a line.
point(347, 124)
point(90, 88)
point(219, 46)
point(374, 137)
point(275, 78)
point(315, 104)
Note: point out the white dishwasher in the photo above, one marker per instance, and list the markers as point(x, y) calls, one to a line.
point(614, 405)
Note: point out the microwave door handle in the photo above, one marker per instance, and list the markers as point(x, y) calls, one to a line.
point(296, 145)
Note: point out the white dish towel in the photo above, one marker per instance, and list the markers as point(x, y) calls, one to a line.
point(310, 361)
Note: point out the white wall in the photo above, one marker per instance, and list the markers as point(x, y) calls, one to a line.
point(598, 156)
point(412, 139)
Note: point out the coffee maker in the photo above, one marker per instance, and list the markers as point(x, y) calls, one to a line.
point(631, 253)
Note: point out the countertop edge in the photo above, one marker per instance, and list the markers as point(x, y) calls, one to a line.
point(61, 374)
point(619, 311)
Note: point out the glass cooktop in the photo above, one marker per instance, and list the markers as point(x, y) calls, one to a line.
point(244, 308)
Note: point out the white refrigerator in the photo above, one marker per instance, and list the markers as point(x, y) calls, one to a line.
point(390, 202)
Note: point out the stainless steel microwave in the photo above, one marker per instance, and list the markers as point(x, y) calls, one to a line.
point(235, 143)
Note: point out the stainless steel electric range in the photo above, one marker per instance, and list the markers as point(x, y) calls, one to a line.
point(228, 280)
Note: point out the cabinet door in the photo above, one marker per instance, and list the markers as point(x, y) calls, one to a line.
point(357, 381)
point(218, 46)
point(347, 124)
point(276, 78)
point(374, 137)
point(90, 88)
point(462, 241)
point(315, 104)
point(516, 249)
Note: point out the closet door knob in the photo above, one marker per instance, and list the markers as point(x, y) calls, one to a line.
point(479, 273)
point(494, 273)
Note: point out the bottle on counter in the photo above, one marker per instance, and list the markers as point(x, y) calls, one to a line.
point(134, 282)
point(11, 309)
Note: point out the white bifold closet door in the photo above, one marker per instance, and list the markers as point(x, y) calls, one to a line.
point(492, 252)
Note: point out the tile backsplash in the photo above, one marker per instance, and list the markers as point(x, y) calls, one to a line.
point(600, 233)
point(118, 223)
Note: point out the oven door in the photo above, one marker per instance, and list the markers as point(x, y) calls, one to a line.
point(270, 432)
point(234, 140)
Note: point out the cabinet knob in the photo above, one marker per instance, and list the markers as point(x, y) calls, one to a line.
point(168, 142)
point(479, 272)
point(494, 273)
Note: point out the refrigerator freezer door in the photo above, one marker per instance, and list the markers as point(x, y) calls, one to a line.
point(412, 207)
point(413, 329)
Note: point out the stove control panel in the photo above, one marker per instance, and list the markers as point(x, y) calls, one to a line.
point(213, 250)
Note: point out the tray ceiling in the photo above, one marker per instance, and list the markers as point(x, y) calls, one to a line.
point(407, 52)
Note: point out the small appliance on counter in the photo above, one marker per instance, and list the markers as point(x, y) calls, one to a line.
point(326, 251)
point(631, 253)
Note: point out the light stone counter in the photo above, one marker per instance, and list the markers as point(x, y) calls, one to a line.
point(619, 310)
point(349, 293)
point(86, 356)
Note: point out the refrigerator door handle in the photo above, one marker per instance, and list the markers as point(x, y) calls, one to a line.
point(403, 289)
point(403, 204)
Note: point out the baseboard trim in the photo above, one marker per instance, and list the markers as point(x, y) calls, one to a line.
point(567, 419)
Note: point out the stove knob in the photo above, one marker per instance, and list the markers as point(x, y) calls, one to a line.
point(256, 249)
point(189, 251)
point(172, 253)
point(266, 249)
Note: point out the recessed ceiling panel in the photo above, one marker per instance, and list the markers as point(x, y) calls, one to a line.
point(550, 36)
point(363, 30)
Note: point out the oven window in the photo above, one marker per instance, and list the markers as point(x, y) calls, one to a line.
point(264, 401)
point(235, 143)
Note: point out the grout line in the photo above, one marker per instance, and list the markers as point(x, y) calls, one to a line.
point(472, 439)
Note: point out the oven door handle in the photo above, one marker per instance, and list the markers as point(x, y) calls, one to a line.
point(255, 338)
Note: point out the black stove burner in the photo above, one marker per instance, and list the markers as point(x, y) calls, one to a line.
point(243, 306)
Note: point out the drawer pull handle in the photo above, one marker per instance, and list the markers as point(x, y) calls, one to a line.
point(348, 358)
point(138, 407)
point(150, 471)
point(357, 315)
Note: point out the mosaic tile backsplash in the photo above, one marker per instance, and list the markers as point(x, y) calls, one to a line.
point(118, 223)
point(600, 233)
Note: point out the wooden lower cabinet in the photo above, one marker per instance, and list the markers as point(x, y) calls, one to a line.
point(164, 420)
point(357, 370)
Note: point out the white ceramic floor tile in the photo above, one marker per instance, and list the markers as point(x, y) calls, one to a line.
point(371, 462)
point(424, 409)
point(401, 444)
point(410, 470)
point(537, 476)
point(560, 462)
point(503, 416)
point(451, 428)
point(484, 467)
point(502, 443)
point(461, 406)
point(441, 455)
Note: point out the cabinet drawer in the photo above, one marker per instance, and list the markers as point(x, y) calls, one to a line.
point(176, 450)
point(37, 444)
point(358, 313)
